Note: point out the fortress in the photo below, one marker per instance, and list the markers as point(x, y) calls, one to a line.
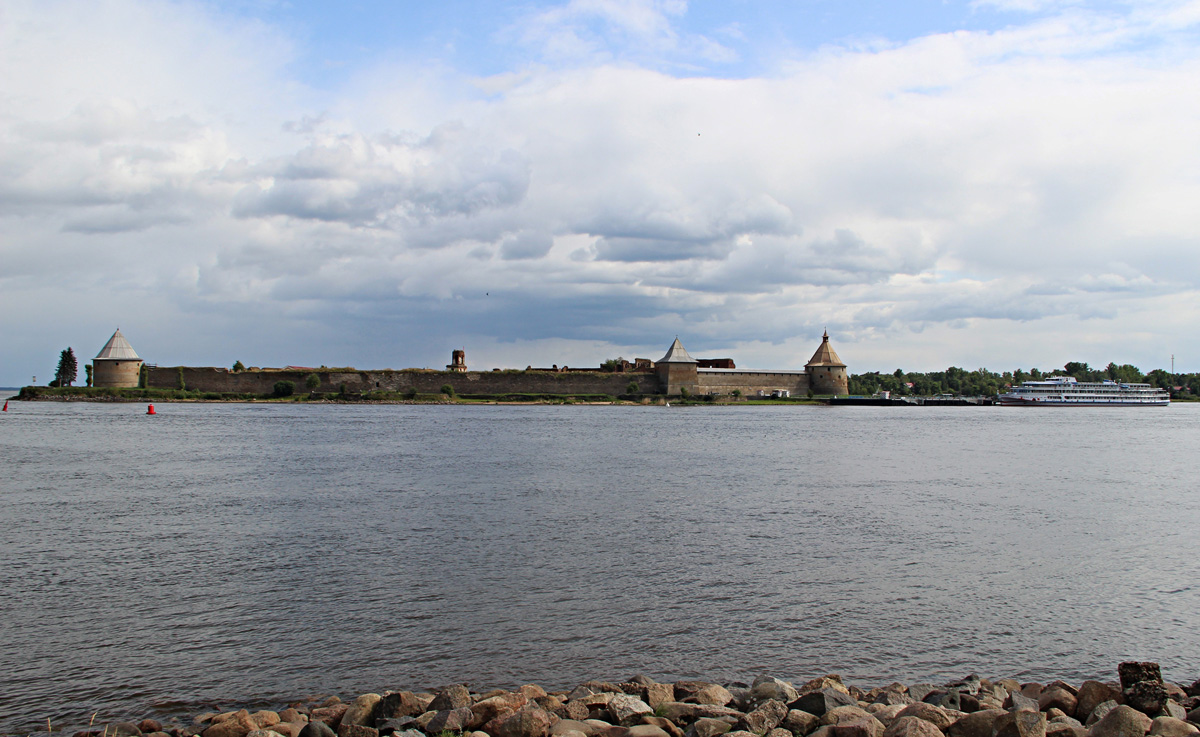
point(676, 373)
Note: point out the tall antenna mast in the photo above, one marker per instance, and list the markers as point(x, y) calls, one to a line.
point(1172, 363)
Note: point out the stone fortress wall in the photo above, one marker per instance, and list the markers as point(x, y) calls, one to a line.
point(749, 383)
point(208, 379)
point(675, 373)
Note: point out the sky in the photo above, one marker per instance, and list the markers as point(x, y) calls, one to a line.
point(976, 183)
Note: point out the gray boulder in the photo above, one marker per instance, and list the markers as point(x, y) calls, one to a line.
point(567, 725)
point(627, 710)
point(1061, 729)
point(1058, 697)
point(671, 728)
point(766, 688)
point(912, 727)
point(766, 717)
point(714, 694)
point(977, 724)
point(1172, 727)
point(822, 700)
point(1092, 694)
point(831, 680)
point(451, 697)
point(886, 713)
point(847, 714)
point(891, 698)
point(708, 727)
point(362, 710)
point(397, 704)
point(531, 722)
point(929, 713)
point(1121, 721)
point(661, 693)
point(1021, 702)
point(1101, 711)
point(451, 720)
point(919, 691)
point(800, 723)
point(318, 729)
point(1021, 723)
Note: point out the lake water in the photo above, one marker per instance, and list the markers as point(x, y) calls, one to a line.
point(228, 555)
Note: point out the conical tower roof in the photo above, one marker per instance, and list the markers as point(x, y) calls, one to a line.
point(117, 349)
point(677, 354)
point(825, 355)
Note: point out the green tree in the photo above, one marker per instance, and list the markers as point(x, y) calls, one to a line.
point(143, 377)
point(447, 390)
point(68, 368)
point(632, 388)
point(284, 388)
point(312, 381)
point(1125, 373)
point(1161, 379)
point(179, 382)
point(237, 366)
point(87, 369)
point(1081, 371)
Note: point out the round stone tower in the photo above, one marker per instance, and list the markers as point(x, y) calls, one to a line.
point(826, 372)
point(677, 371)
point(117, 364)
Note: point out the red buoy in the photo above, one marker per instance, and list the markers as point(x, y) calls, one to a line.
point(150, 410)
point(6, 405)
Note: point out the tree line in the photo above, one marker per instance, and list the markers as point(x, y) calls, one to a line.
point(982, 382)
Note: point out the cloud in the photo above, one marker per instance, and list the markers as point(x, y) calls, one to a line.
point(387, 181)
point(525, 245)
point(588, 31)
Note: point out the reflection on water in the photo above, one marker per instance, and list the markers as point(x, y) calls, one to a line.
point(229, 554)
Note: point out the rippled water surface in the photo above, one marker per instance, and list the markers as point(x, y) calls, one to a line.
point(223, 555)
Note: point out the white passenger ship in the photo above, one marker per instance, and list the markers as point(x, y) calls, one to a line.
point(1065, 391)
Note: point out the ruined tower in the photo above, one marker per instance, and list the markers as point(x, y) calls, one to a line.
point(826, 372)
point(458, 361)
point(117, 364)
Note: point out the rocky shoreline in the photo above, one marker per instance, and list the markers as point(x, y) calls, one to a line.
point(1140, 703)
